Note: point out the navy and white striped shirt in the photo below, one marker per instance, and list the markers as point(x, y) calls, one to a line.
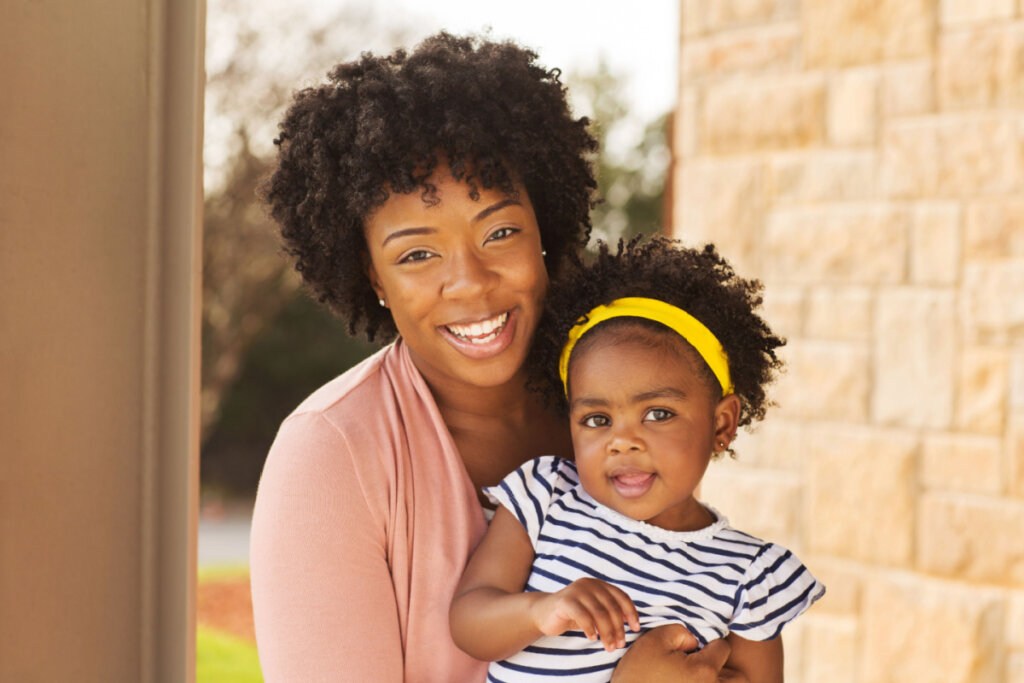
point(713, 581)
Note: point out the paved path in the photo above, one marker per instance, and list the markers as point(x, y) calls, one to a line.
point(224, 536)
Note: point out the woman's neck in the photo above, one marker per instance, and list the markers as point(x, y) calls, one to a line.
point(498, 428)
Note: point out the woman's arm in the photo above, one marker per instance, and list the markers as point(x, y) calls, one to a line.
point(323, 601)
point(660, 656)
point(492, 618)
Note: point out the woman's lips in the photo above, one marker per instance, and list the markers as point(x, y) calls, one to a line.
point(482, 338)
point(631, 483)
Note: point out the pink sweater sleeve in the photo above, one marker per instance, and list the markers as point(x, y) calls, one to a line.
point(324, 604)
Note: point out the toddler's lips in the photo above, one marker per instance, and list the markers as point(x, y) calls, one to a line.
point(631, 483)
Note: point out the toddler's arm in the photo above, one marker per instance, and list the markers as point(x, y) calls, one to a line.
point(758, 661)
point(492, 618)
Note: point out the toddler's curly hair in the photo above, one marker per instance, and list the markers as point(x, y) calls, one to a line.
point(382, 125)
point(699, 281)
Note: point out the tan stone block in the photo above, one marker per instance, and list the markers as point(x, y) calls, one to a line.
point(693, 18)
point(971, 538)
point(830, 648)
point(824, 176)
point(994, 229)
point(935, 240)
point(954, 12)
point(795, 648)
point(981, 68)
point(686, 124)
point(913, 358)
point(953, 156)
point(776, 443)
point(865, 31)
point(1017, 379)
point(983, 393)
point(992, 299)
point(783, 309)
point(1015, 667)
point(839, 313)
point(761, 50)
point(761, 502)
point(843, 580)
point(825, 381)
point(763, 114)
point(853, 244)
point(1016, 454)
point(722, 14)
point(853, 107)
point(723, 202)
point(931, 632)
point(962, 462)
point(1015, 621)
point(860, 486)
point(908, 89)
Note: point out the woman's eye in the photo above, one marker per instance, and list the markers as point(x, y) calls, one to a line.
point(595, 421)
point(658, 415)
point(413, 256)
point(502, 234)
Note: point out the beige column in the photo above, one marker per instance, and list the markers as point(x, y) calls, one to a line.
point(100, 200)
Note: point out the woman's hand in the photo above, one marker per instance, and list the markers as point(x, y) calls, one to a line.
point(660, 656)
point(590, 605)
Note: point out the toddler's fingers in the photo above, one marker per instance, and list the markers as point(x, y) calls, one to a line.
point(626, 607)
point(608, 617)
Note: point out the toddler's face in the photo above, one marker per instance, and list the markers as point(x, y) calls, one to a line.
point(644, 425)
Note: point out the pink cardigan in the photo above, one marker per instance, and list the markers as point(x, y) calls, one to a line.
point(363, 523)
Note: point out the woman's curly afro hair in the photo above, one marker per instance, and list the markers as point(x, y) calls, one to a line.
point(699, 281)
point(383, 124)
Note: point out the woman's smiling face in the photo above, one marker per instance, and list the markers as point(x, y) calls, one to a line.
point(464, 279)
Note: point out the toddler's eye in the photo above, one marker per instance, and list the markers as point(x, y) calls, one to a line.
point(658, 415)
point(595, 421)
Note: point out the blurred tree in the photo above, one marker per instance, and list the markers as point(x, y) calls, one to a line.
point(630, 175)
point(255, 61)
point(265, 345)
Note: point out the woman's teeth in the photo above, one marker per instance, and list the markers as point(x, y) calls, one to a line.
point(481, 332)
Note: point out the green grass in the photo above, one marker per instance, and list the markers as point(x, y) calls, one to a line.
point(221, 658)
point(223, 571)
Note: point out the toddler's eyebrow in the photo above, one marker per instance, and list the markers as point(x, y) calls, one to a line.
point(661, 392)
point(664, 392)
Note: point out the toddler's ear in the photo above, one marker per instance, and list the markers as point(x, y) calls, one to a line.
point(727, 419)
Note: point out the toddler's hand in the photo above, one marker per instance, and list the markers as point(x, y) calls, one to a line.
point(591, 605)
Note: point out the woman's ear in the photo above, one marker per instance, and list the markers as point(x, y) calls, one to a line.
point(727, 419)
point(371, 275)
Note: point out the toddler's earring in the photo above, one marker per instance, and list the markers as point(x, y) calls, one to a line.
point(383, 304)
point(543, 252)
point(721, 445)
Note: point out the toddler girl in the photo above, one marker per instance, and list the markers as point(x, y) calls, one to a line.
point(660, 357)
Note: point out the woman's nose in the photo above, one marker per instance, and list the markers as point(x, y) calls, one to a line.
point(468, 276)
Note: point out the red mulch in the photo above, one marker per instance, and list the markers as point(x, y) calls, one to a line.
point(226, 605)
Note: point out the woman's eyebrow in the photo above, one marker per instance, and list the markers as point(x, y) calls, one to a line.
point(496, 207)
point(406, 232)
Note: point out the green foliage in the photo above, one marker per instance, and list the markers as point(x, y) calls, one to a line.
point(221, 658)
point(631, 183)
point(299, 350)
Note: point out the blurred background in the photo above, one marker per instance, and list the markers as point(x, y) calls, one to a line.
point(865, 159)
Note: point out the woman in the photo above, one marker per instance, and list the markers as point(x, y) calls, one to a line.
point(427, 195)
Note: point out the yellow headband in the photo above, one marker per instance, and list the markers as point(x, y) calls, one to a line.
point(676, 319)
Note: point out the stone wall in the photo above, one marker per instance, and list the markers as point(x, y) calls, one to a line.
point(865, 159)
